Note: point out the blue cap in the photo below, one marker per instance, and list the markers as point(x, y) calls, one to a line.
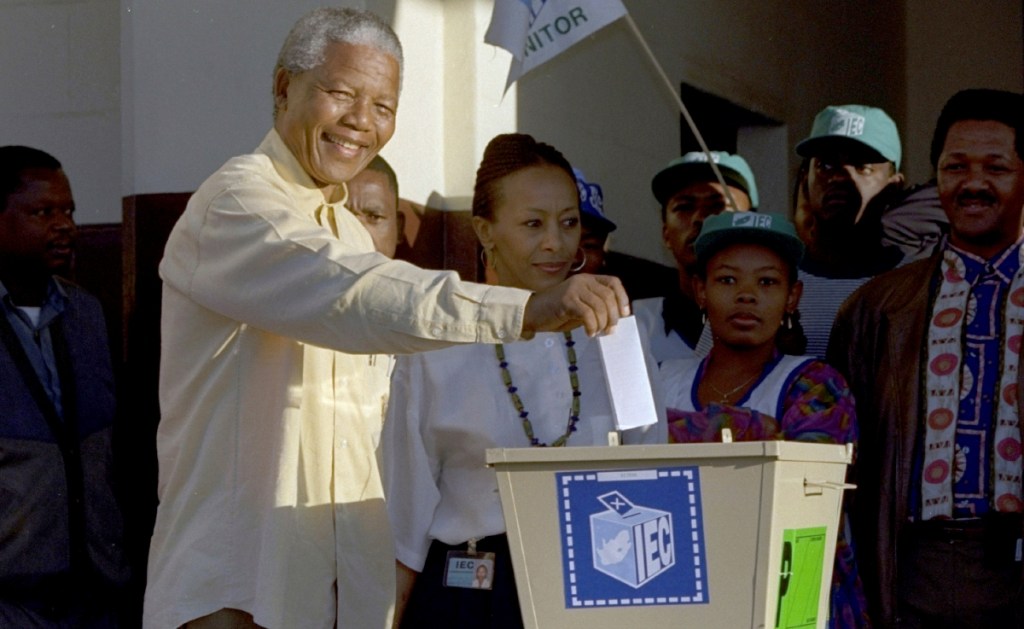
point(592, 204)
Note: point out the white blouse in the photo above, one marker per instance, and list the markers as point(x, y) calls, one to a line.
point(448, 406)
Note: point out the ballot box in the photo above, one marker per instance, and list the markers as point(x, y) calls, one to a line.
point(713, 535)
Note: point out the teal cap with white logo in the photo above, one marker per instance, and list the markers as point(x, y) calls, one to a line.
point(858, 125)
point(774, 231)
point(693, 166)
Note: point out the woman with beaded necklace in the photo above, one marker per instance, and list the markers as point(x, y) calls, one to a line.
point(447, 407)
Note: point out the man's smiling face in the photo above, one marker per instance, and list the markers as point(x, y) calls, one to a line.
point(337, 116)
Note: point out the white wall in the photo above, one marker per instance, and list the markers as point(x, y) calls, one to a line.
point(200, 76)
point(952, 45)
point(61, 81)
point(139, 96)
point(197, 78)
point(452, 103)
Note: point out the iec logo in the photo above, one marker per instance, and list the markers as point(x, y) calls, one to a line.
point(846, 123)
point(632, 537)
point(752, 219)
point(624, 528)
point(742, 219)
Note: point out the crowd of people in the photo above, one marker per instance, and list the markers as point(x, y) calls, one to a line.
point(325, 407)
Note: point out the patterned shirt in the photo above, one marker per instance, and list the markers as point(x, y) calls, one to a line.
point(817, 407)
point(990, 284)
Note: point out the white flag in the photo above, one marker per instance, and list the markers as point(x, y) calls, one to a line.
point(534, 31)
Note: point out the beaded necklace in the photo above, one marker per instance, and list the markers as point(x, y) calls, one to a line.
point(574, 412)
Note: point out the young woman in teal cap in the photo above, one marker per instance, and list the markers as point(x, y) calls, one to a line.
point(747, 286)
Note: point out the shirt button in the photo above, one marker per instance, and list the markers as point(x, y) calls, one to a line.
point(501, 333)
point(344, 443)
point(436, 331)
point(549, 342)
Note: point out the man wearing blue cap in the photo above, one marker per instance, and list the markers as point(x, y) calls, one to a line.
point(689, 193)
point(641, 278)
point(849, 176)
point(596, 227)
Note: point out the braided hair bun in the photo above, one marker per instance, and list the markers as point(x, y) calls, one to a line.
point(507, 154)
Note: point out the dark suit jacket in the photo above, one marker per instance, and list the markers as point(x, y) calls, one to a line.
point(59, 520)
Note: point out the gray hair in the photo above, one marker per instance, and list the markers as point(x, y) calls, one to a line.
point(303, 49)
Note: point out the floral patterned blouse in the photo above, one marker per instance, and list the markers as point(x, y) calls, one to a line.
point(816, 406)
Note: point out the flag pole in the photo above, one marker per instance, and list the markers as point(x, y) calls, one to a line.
point(686, 113)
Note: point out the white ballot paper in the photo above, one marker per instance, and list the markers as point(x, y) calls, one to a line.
point(625, 371)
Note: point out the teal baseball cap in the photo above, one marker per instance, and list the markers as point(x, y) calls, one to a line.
point(774, 231)
point(857, 125)
point(693, 166)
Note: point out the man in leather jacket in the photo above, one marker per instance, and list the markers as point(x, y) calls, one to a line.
point(931, 352)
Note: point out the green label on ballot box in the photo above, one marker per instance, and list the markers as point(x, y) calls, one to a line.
point(803, 555)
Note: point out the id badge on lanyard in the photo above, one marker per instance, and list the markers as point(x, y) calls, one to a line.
point(469, 569)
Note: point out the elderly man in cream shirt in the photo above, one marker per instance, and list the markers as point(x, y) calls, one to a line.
point(271, 511)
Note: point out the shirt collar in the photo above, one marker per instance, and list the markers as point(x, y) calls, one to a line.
point(309, 200)
point(56, 298)
point(1004, 265)
point(289, 168)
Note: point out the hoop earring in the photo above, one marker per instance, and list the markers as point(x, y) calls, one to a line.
point(486, 258)
point(582, 264)
point(787, 320)
point(703, 316)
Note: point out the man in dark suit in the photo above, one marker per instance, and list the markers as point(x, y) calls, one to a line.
point(61, 559)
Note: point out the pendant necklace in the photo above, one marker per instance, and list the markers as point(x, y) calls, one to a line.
point(725, 395)
point(524, 415)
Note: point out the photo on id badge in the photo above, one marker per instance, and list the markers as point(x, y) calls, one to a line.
point(469, 570)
